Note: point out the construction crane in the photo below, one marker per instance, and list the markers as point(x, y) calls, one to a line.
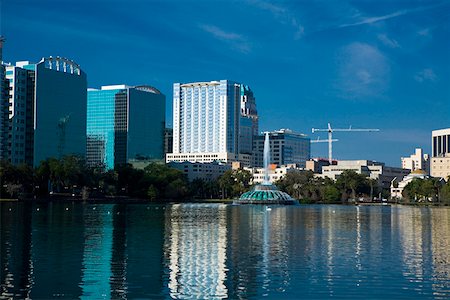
point(330, 136)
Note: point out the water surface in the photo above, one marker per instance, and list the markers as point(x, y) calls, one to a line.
point(216, 251)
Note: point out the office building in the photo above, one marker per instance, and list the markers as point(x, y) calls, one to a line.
point(213, 121)
point(4, 89)
point(286, 147)
point(417, 161)
point(372, 169)
point(59, 109)
point(47, 110)
point(21, 79)
point(440, 161)
point(124, 123)
point(168, 140)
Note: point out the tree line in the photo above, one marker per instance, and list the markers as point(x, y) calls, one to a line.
point(71, 177)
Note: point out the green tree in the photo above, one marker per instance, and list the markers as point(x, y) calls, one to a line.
point(350, 182)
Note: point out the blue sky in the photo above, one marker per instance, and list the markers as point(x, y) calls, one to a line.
point(369, 64)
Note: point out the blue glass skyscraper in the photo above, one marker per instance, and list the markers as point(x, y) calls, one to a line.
point(124, 123)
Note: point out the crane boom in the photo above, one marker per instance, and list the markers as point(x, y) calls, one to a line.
point(330, 140)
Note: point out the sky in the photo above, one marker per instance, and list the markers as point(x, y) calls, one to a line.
point(366, 64)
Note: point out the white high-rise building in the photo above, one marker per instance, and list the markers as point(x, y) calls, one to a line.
point(417, 161)
point(213, 121)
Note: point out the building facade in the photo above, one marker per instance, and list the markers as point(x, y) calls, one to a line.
point(286, 147)
point(21, 79)
point(417, 161)
point(204, 171)
point(212, 119)
point(4, 93)
point(59, 109)
point(440, 161)
point(124, 123)
point(168, 140)
point(372, 169)
point(46, 110)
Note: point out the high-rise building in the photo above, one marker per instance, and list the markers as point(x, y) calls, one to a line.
point(59, 109)
point(47, 110)
point(124, 123)
point(440, 161)
point(4, 89)
point(286, 147)
point(417, 161)
point(168, 140)
point(21, 79)
point(213, 121)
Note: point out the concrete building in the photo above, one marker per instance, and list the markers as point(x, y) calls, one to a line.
point(286, 147)
point(124, 123)
point(397, 186)
point(440, 160)
point(375, 170)
point(204, 171)
point(4, 92)
point(21, 79)
point(213, 121)
point(417, 161)
point(275, 173)
point(47, 110)
point(316, 164)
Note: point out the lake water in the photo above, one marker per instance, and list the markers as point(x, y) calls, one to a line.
point(216, 251)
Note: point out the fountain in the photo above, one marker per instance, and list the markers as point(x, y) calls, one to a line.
point(266, 193)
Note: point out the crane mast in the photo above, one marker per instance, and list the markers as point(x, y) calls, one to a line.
point(330, 140)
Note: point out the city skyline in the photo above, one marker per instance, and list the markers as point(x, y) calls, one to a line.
point(366, 64)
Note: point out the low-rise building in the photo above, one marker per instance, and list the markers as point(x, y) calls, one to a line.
point(375, 170)
point(204, 171)
point(275, 173)
point(316, 164)
point(397, 187)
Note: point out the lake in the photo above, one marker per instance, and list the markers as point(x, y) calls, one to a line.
point(217, 251)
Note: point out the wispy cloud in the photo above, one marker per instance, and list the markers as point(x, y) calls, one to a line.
point(235, 40)
point(281, 14)
point(388, 42)
point(371, 20)
point(425, 75)
point(363, 72)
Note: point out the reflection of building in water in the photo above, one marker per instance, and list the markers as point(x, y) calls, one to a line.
point(195, 245)
point(144, 251)
point(259, 250)
point(16, 267)
point(415, 227)
point(97, 252)
point(57, 251)
point(440, 219)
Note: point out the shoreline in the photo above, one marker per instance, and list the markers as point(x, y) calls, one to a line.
point(126, 200)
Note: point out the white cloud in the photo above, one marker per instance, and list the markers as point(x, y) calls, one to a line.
point(237, 41)
point(391, 43)
point(363, 72)
point(281, 14)
point(371, 20)
point(425, 75)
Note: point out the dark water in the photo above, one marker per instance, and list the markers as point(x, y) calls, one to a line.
point(219, 251)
